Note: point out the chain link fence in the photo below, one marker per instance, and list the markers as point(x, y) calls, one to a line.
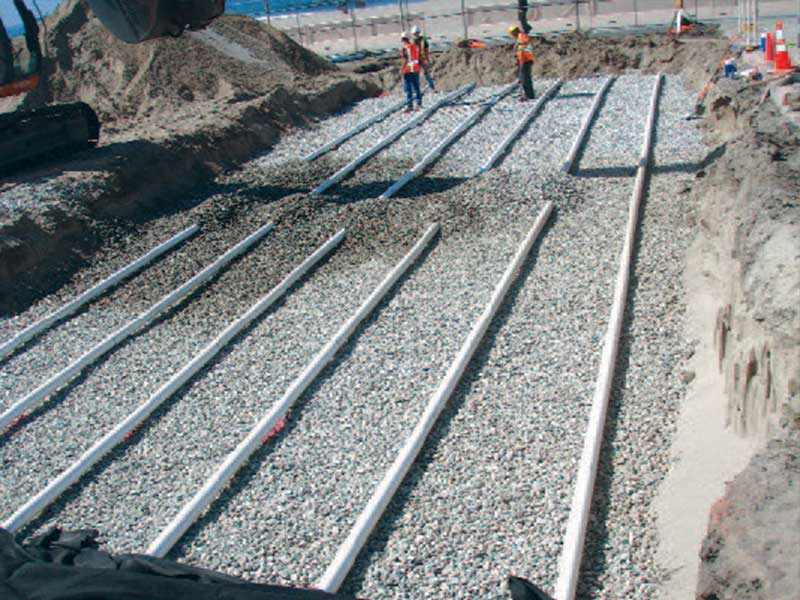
point(345, 27)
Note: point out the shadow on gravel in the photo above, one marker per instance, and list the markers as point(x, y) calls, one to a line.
point(575, 95)
point(422, 186)
point(135, 436)
point(606, 172)
point(251, 468)
point(394, 511)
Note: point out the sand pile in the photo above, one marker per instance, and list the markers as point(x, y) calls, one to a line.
point(566, 56)
point(234, 60)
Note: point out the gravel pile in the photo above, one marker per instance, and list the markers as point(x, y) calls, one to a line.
point(490, 495)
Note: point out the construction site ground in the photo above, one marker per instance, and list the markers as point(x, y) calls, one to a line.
point(178, 113)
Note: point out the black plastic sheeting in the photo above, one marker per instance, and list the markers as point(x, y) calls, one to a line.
point(68, 565)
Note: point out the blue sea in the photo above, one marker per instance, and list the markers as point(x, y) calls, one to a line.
point(256, 8)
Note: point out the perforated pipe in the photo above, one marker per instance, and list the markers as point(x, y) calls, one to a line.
point(127, 330)
point(523, 123)
point(346, 554)
point(234, 461)
point(437, 150)
point(103, 446)
point(572, 553)
point(364, 156)
point(355, 130)
point(73, 305)
point(569, 163)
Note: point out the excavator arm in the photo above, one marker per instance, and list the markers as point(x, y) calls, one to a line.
point(32, 134)
point(135, 21)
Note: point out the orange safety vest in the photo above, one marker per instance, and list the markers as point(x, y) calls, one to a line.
point(524, 49)
point(412, 58)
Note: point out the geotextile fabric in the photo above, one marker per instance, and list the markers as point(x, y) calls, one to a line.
point(68, 565)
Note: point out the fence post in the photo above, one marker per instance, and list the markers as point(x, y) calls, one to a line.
point(464, 21)
point(353, 24)
point(266, 7)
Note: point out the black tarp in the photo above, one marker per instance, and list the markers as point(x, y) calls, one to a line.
point(68, 565)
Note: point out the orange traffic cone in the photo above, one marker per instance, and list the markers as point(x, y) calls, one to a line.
point(769, 51)
point(782, 60)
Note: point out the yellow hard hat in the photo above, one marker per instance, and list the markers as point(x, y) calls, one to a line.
point(513, 29)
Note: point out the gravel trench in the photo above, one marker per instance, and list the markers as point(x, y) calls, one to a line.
point(490, 495)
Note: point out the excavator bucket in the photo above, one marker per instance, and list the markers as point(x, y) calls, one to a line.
point(135, 21)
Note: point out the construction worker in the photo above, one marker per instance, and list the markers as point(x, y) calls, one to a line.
point(525, 59)
point(424, 53)
point(410, 70)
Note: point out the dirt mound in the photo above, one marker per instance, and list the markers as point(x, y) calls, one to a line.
point(175, 112)
point(235, 59)
point(749, 219)
point(566, 56)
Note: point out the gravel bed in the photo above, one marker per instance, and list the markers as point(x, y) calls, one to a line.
point(318, 476)
point(491, 493)
point(76, 416)
point(503, 467)
point(645, 405)
point(465, 157)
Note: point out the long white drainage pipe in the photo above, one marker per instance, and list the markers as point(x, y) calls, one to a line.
point(346, 554)
point(363, 157)
point(358, 128)
point(523, 123)
point(234, 461)
point(572, 553)
point(73, 305)
point(569, 163)
point(69, 476)
point(127, 330)
point(437, 150)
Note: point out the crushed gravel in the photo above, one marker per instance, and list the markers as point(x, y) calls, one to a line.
point(491, 492)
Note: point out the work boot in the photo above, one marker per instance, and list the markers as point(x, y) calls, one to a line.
point(408, 109)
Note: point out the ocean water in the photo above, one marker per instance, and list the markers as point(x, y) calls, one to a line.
point(256, 8)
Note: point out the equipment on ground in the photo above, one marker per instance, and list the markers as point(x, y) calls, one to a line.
point(28, 134)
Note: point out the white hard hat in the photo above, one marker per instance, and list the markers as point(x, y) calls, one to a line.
point(404, 35)
point(415, 29)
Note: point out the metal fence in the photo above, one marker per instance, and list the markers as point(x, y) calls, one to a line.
point(340, 27)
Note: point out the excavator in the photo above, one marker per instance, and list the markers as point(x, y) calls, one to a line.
point(55, 129)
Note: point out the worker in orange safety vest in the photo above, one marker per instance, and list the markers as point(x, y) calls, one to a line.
point(525, 59)
point(410, 69)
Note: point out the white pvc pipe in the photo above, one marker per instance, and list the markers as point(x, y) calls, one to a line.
point(234, 461)
point(514, 133)
point(346, 554)
point(355, 130)
point(127, 330)
point(587, 121)
point(73, 305)
point(572, 553)
point(69, 476)
point(363, 157)
point(437, 150)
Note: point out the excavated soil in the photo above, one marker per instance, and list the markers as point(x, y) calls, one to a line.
point(176, 112)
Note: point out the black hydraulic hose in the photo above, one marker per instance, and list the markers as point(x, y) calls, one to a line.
point(522, 15)
point(31, 36)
